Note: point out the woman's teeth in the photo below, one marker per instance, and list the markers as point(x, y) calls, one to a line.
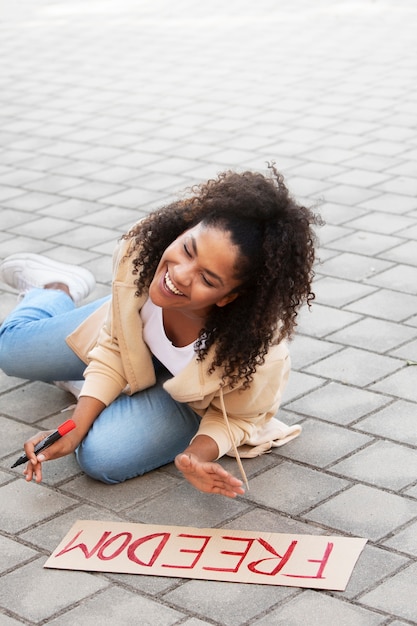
point(171, 286)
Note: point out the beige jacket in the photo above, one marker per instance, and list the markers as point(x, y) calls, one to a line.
point(110, 343)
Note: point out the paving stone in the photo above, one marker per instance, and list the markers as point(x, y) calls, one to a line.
point(37, 602)
point(149, 585)
point(305, 350)
point(272, 522)
point(376, 335)
point(118, 606)
point(48, 535)
point(235, 603)
point(353, 266)
point(372, 163)
point(349, 194)
point(405, 541)
point(5, 620)
point(409, 233)
point(404, 253)
point(383, 464)
point(29, 504)
point(185, 507)
point(32, 401)
point(362, 242)
point(113, 218)
point(331, 233)
point(401, 184)
point(338, 403)
point(373, 512)
point(339, 293)
point(195, 622)
point(291, 488)
point(412, 321)
point(13, 554)
point(403, 277)
point(390, 202)
point(48, 226)
point(401, 384)
point(322, 444)
point(339, 213)
point(55, 183)
point(87, 237)
point(32, 201)
point(396, 596)
point(13, 219)
point(322, 611)
point(299, 384)
point(396, 422)
point(386, 304)
point(118, 497)
point(14, 435)
point(360, 178)
point(320, 320)
point(356, 367)
point(19, 178)
point(373, 566)
point(93, 190)
point(412, 492)
point(408, 352)
point(132, 198)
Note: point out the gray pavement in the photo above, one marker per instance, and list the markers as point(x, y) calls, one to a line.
point(110, 108)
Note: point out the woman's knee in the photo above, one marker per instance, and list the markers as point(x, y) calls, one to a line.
point(99, 465)
point(92, 464)
point(9, 364)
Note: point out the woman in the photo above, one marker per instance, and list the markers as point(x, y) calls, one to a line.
point(188, 359)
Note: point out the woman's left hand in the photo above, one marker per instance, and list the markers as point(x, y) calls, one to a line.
point(207, 476)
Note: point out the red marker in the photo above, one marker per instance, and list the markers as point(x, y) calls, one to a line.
point(48, 441)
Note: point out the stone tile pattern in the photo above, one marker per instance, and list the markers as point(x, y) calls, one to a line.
point(109, 110)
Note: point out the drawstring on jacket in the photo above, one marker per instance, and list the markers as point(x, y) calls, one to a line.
point(229, 430)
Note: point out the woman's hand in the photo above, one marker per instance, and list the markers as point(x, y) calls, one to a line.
point(208, 476)
point(60, 448)
point(86, 411)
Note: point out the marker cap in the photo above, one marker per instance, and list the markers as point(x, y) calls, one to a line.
point(66, 427)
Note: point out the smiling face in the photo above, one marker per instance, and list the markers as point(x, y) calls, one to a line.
point(196, 272)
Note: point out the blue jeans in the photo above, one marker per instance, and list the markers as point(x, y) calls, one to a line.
point(134, 434)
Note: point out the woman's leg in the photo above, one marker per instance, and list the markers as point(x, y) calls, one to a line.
point(136, 434)
point(32, 337)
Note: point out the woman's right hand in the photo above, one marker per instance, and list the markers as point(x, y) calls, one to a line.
point(62, 447)
point(86, 412)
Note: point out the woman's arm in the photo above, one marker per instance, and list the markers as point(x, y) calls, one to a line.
point(197, 466)
point(87, 410)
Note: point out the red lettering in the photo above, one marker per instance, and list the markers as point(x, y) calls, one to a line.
point(198, 552)
point(323, 563)
point(87, 553)
point(283, 559)
point(100, 553)
point(241, 554)
point(131, 553)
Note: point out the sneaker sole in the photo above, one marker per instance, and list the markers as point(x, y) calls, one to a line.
point(62, 272)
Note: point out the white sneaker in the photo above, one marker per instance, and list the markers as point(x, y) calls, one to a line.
point(72, 386)
point(23, 271)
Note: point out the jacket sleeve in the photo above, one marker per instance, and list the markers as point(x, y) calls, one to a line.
point(113, 364)
point(249, 410)
point(104, 375)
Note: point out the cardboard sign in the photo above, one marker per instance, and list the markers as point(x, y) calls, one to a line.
point(264, 558)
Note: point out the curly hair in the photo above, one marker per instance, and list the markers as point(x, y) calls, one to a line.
point(276, 242)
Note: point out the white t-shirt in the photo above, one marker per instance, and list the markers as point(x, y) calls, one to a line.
point(174, 359)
